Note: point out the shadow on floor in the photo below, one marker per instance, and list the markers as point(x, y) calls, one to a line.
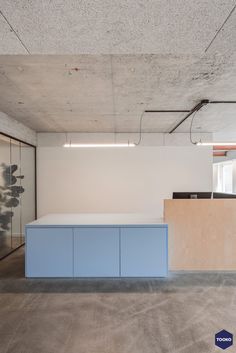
point(12, 280)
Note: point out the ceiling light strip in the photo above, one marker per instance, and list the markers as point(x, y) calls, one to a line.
point(98, 145)
point(216, 143)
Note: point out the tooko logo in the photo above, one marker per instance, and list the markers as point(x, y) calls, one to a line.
point(223, 339)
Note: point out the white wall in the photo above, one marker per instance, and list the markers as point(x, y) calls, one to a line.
point(119, 180)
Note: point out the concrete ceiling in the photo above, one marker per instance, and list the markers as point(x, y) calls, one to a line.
point(114, 27)
point(116, 60)
point(108, 93)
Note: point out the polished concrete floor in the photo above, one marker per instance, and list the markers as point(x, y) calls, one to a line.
point(9, 243)
point(178, 314)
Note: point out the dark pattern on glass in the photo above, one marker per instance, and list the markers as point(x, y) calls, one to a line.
point(9, 194)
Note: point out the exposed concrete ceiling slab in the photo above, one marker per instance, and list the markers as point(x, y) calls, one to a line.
point(129, 56)
point(47, 92)
point(171, 82)
point(108, 93)
point(9, 43)
point(151, 122)
point(112, 27)
point(212, 118)
point(226, 38)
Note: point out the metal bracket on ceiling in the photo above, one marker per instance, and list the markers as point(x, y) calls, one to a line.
point(166, 111)
point(197, 108)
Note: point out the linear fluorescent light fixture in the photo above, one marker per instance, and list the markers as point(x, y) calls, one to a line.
point(216, 143)
point(100, 145)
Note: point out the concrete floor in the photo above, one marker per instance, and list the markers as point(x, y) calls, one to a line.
point(9, 243)
point(179, 314)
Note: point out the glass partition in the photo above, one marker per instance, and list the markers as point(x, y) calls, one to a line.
point(5, 211)
point(28, 184)
point(17, 192)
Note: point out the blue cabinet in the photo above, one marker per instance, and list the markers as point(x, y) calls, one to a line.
point(144, 252)
point(96, 252)
point(49, 252)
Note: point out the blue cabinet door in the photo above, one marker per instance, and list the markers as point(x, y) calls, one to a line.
point(96, 252)
point(144, 252)
point(49, 252)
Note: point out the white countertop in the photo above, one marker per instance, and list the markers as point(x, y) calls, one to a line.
point(92, 219)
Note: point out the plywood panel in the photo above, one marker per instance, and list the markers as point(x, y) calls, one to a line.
point(202, 234)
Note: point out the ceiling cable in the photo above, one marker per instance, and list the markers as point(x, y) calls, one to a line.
point(141, 132)
point(140, 129)
point(191, 127)
point(190, 131)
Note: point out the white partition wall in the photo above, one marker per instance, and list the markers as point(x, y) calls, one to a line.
point(119, 180)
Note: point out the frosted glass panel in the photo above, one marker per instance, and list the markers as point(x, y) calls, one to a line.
point(5, 210)
point(17, 192)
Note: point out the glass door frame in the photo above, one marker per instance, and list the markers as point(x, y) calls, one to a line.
point(35, 183)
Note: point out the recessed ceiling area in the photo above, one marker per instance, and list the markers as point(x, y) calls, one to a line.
point(108, 93)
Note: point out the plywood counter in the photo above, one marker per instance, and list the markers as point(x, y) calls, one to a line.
point(202, 234)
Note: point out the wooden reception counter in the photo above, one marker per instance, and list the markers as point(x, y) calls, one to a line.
point(202, 234)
